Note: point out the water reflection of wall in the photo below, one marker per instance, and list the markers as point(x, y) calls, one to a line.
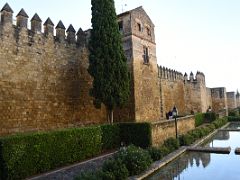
point(175, 168)
point(234, 125)
point(222, 135)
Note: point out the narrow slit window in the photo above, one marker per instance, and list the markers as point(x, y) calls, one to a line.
point(120, 26)
point(148, 32)
point(145, 55)
point(139, 26)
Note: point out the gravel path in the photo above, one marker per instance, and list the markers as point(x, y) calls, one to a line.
point(70, 172)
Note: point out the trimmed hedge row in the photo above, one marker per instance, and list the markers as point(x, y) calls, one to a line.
point(200, 132)
point(172, 144)
point(138, 134)
point(110, 136)
point(234, 112)
point(28, 154)
point(201, 118)
point(233, 118)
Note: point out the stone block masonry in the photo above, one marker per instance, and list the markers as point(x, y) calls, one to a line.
point(163, 130)
point(139, 45)
point(219, 99)
point(231, 100)
point(44, 83)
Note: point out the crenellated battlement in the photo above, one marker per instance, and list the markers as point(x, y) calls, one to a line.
point(63, 36)
point(173, 75)
point(198, 78)
point(170, 74)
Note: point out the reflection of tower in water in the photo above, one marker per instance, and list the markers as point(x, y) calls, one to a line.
point(174, 169)
point(201, 158)
point(206, 158)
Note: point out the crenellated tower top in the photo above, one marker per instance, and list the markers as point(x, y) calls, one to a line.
point(78, 39)
point(6, 14)
point(198, 78)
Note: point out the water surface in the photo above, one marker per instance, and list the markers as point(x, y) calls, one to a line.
point(206, 166)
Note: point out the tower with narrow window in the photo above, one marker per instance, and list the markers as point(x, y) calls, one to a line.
point(138, 37)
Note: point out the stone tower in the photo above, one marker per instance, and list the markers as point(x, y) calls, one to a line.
point(139, 45)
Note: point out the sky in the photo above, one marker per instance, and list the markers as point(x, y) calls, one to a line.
point(191, 35)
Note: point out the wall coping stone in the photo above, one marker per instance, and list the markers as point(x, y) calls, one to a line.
point(172, 120)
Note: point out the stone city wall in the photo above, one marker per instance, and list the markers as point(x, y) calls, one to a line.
point(231, 100)
point(163, 130)
point(172, 90)
point(219, 99)
point(44, 82)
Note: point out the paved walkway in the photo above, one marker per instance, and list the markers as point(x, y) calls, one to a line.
point(70, 172)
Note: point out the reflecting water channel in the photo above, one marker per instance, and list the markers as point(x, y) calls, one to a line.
point(206, 166)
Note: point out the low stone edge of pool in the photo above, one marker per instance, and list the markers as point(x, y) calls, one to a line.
point(230, 130)
point(217, 150)
point(170, 157)
point(158, 164)
point(237, 151)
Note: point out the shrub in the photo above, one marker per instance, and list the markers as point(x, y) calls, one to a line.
point(135, 159)
point(89, 175)
point(199, 119)
point(199, 132)
point(164, 150)
point(210, 117)
point(26, 155)
point(155, 153)
point(196, 134)
point(186, 139)
point(203, 131)
point(139, 134)
point(220, 122)
point(206, 130)
point(95, 175)
point(117, 168)
point(211, 127)
point(110, 136)
point(105, 175)
point(172, 144)
point(233, 118)
point(231, 113)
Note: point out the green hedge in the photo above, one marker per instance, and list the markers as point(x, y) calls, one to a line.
point(234, 112)
point(210, 117)
point(199, 119)
point(220, 122)
point(26, 155)
point(110, 136)
point(199, 132)
point(139, 134)
point(233, 118)
point(171, 143)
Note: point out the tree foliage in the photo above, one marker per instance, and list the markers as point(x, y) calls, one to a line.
point(107, 63)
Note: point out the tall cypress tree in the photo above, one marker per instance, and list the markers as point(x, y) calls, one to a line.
point(107, 63)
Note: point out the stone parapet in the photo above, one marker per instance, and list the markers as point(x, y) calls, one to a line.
point(163, 130)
